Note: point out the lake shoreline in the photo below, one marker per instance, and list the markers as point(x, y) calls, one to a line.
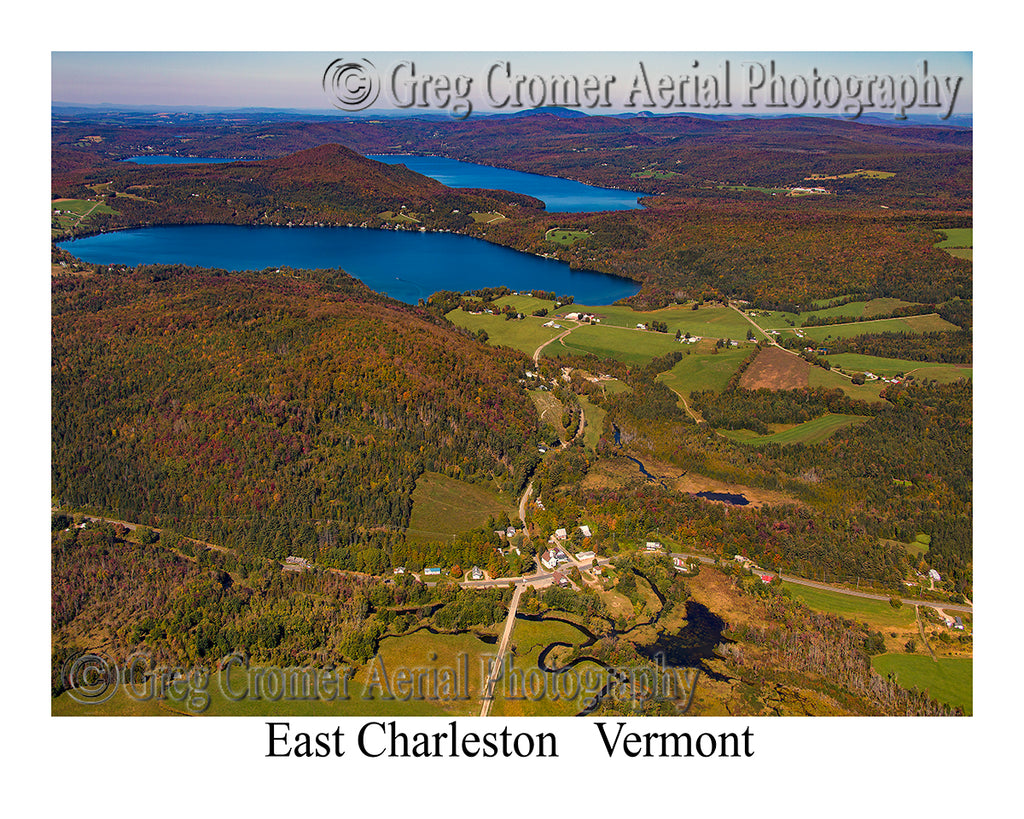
point(619, 287)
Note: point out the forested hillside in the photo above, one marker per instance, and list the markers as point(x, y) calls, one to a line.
point(278, 412)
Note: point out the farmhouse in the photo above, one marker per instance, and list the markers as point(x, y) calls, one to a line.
point(476, 574)
point(585, 530)
point(547, 560)
point(296, 564)
point(561, 534)
point(653, 546)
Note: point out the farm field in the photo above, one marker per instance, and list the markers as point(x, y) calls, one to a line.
point(595, 422)
point(876, 613)
point(488, 218)
point(820, 377)
point(778, 320)
point(775, 369)
point(908, 324)
point(629, 346)
point(959, 242)
point(566, 238)
point(443, 506)
point(860, 173)
point(950, 680)
point(525, 304)
point(704, 372)
point(709, 322)
point(809, 432)
point(944, 373)
point(525, 335)
point(78, 208)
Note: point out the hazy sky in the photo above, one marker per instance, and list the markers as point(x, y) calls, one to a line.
point(295, 79)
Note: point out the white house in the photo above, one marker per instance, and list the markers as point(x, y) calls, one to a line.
point(585, 530)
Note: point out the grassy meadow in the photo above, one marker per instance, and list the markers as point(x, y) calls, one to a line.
point(809, 432)
point(943, 373)
point(949, 680)
point(443, 506)
point(878, 614)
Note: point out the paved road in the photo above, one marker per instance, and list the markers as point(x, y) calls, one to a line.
point(492, 678)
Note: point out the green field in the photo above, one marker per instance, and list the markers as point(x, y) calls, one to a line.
point(77, 208)
point(529, 639)
point(654, 174)
point(860, 173)
point(959, 242)
point(820, 377)
point(443, 506)
point(944, 373)
point(957, 237)
point(908, 324)
point(876, 613)
point(566, 238)
point(753, 188)
point(595, 422)
point(950, 680)
point(525, 304)
point(489, 218)
point(392, 216)
point(707, 322)
point(629, 346)
point(702, 370)
point(525, 335)
point(810, 432)
point(777, 320)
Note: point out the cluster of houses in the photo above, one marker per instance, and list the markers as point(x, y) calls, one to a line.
point(552, 557)
point(296, 564)
point(583, 317)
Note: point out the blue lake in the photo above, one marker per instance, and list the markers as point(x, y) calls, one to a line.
point(406, 265)
point(161, 159)
point(558, 195)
